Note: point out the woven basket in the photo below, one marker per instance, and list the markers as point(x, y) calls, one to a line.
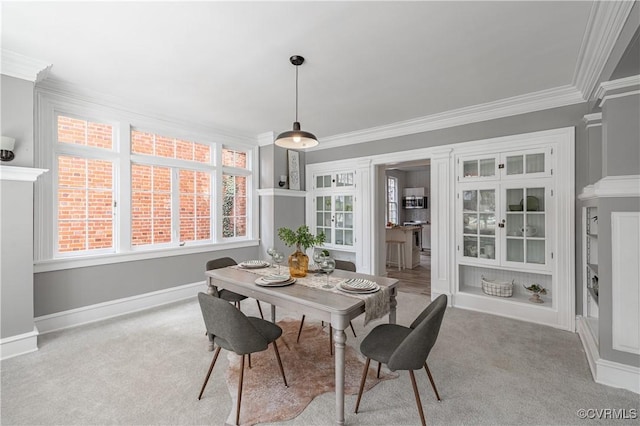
point(497, 288)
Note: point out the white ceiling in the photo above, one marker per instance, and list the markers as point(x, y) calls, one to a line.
point(368, 64)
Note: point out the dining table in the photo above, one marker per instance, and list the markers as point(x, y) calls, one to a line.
point(310, 296)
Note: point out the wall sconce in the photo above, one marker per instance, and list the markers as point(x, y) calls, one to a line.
point(283, 181)
point(6, 148)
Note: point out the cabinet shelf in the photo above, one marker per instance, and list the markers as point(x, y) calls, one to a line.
point(592, 235)
point(515, 299)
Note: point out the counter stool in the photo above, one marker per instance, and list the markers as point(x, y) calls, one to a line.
point(399, 244)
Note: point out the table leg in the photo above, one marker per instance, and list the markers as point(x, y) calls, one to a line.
point(212, 292)
point(273, 314)
point(339, 340)
point(392, 307)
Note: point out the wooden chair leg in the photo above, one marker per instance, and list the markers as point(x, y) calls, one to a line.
point(249, 356)
point(260, 309)
point(415, 392)
point(275, 349)
point(433, 384)
point(362, 380)
point(206, 380)
point(378, 373)
point(300, 329)
point(240, 391)
point(352, 330)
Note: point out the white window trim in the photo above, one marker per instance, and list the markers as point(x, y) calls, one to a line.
point(51, 101)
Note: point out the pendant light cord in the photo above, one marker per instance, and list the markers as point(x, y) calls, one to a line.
point(296, 92)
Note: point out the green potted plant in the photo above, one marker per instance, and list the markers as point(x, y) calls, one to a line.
point(303, 239)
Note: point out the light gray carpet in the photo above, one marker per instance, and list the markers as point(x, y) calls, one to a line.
point(147, 368)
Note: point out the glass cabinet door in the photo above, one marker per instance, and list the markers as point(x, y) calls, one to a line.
point(479, 223)
point(334, 218)
point(526, 226)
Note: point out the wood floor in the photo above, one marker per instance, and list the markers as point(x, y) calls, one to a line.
point(416, 280)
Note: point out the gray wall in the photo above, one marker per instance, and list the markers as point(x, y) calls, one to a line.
point(621, 136)
point(59, 291)
point(16, 212)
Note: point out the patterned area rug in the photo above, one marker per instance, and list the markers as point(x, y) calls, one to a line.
point(309, 368)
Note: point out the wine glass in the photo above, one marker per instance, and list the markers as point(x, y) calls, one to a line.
point(318, 256)
point(327, 265)
point(278, 257)
point(271, 251)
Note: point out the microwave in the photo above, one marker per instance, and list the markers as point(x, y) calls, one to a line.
point(414, 202)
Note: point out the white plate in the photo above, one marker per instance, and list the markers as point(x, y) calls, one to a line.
point(358, 284)
point(254, 264)
point(373, 290)
point(275, 278)
point(262, 283)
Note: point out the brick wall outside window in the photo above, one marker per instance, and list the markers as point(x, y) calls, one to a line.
point(234, 209)
point(85, 188)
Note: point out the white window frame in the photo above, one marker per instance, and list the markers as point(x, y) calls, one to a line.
point(51, 101)
point(395, 201)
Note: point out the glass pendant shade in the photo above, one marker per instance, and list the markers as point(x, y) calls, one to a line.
point(296, 138)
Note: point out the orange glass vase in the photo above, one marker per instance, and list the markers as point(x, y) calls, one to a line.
point(298, 264)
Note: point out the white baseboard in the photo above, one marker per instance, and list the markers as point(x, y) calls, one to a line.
point(114, 308)
point(604, 371)
point(19, 345)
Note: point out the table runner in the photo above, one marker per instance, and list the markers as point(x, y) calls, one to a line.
point(376, 305)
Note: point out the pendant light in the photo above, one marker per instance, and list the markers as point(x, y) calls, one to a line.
point(296, 138)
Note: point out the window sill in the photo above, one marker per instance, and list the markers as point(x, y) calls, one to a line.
point(132, 256)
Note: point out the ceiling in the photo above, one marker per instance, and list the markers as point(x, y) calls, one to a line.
point(368, 64)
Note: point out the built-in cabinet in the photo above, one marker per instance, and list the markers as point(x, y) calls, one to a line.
point(334, 199)
point(591, 284)
point(506, 214)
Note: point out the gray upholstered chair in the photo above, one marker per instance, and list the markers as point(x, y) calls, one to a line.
point(345, 266)
point(405, 348)
point(234, 331)
point(227, 295)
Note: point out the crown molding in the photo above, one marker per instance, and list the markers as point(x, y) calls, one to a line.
point(605, 23)
point(23, 67)
point(272, 192)
point(618, 88)
point(612, 186)
point(545, 99)
point(592, 120)
point(26, 174)
point(266, 138)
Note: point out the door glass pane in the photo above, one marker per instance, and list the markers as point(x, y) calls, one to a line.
point(514, 200)
point(348, 238)
point(470, 200)
point(339, 220)
point(348, 220)
point(488, 167)
point(535, 199)
point(514, 224)
point(487, 224)
point(326, 231)
point(319, 182)
point(319, 219)
point(514, 165)
point(535, 251)
point(348, 203)
point(535, 163)
point(487, 201)
point(470, 223)
point(339, 236)
point(515, 250)
point(471, 246)
point(470, 168)
point(535, 223)
point(487, 248)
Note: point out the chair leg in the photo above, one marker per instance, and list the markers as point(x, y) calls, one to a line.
point(240, 391)
point(249, 356)
point(352, 329)
point(415, 392)
point(300, 329)
point(213, 362)
point(378, 373)
point(275, 349)
point(364, 378)
point(433, 384)
point(260, 309)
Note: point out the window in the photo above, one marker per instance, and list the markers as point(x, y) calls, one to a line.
point(115, 188)
point(85, 197)
point(164, 186)
point(392, 200)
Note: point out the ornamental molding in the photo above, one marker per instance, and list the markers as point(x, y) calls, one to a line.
point(25, 174)
point(612, 186)
point(23, 67)
point(272, 192)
